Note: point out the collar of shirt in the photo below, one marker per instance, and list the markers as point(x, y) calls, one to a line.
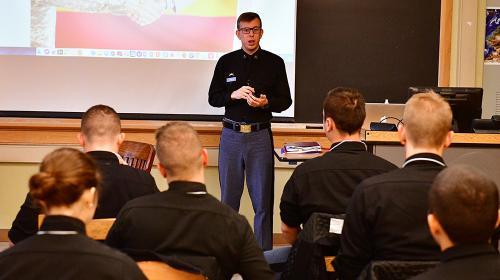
point(424, 159)
point(255, 55)
point(120, 159)
point(348, 146)
point(105, 156)
point(187, 187)
point(463, 251)
point(55, 223)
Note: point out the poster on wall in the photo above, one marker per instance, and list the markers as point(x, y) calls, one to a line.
point(492, 38)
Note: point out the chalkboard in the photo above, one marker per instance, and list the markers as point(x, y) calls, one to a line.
point(380, 47)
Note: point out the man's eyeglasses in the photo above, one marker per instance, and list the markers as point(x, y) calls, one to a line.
point(246, 30)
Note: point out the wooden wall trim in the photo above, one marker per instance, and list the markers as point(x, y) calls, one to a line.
point(445, 43)
point(4, 235)
point(39, 131)
point(457, 139)
point(33, 132)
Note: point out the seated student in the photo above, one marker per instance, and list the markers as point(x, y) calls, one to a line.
point(66, 187)
point(463, 213)
point(326, 183)
point(385, 219)
point(100, 138)
point(185, 219)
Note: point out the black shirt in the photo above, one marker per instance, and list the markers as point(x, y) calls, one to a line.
point(120, 183)
point(326, 183)
point(466, 262)
point(185, 220)
point(65, 256)
point(387, 217)
point(264, 71)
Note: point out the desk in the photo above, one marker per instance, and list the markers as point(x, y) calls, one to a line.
point(459, 139)
point(479, 150)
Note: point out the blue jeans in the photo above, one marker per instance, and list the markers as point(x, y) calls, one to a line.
point(276, 258)
point(249, 154)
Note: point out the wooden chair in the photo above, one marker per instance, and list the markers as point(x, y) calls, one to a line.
point(395, 270)
point(312, 254)
point(97, 229)
point(328, 263)
point(138, 155)
point(155, 270)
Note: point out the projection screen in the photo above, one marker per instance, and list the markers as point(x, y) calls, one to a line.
point(144, 57)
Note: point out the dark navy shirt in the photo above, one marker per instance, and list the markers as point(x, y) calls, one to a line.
point(463, 262)
point(186, 220)
point(63, 251)
point(264, 71)
point(326, 183)
point(386, 218)
point(120, 183)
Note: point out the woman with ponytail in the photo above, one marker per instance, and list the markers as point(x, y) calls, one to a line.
point(66, 188)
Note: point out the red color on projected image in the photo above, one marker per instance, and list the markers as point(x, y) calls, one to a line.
point(173, 33)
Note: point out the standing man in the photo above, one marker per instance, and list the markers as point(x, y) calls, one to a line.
point(250, 83)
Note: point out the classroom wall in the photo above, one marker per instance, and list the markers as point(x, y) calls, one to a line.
point(490, 73)
point(467, 68)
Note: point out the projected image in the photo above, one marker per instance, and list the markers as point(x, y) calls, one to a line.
point(151, 29)
point(185, 29)
point(179, 25)
point(139, 56)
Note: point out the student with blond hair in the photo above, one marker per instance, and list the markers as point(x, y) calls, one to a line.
point(186, 220)
point(386, 217)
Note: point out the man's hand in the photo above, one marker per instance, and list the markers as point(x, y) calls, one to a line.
point(257, 101)
point(243, 92)
point(290, 234)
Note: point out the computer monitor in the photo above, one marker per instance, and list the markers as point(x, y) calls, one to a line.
point(465, 103)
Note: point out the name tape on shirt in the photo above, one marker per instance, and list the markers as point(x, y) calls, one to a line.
point(231, 79)
point(336, 225)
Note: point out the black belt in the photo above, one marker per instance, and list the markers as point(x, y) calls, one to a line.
point(245, 127)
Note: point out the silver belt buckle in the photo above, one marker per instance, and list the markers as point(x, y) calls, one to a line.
point(245, 128)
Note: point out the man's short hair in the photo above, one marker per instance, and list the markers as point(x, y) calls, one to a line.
point(100, 122)
point(178, 148)
point(427, 119)
point(465, 202)
point(346, 106)
point(247, 17)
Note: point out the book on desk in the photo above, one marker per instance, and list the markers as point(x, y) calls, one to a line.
point(301, 148)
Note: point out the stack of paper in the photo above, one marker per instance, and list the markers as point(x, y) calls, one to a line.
point(302, 147)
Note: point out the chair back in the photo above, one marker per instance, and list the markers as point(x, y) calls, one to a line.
point(97, 229)
point(395, 270)
point(207, 266)
point(155, 270)
point(323, 229)
point(312, 254)
point(137, 154)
